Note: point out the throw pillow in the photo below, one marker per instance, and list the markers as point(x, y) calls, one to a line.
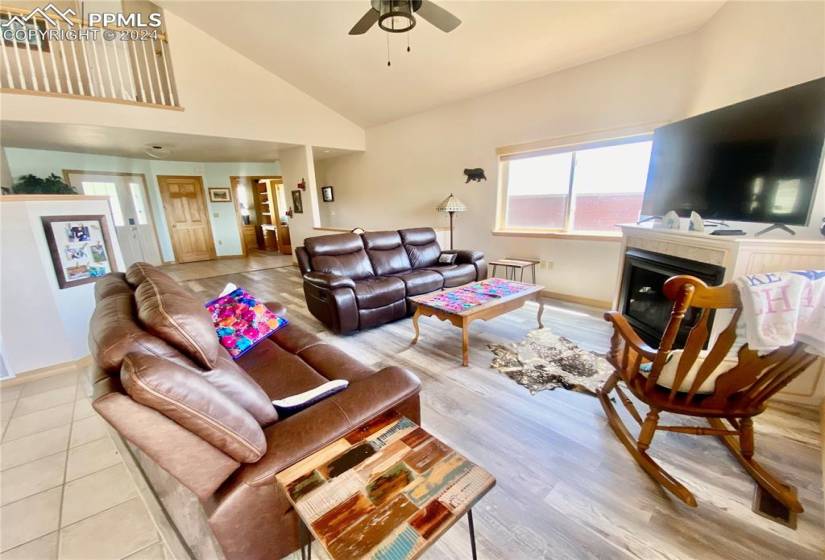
point(296, 403)
point(241, 321)
point(447, 258)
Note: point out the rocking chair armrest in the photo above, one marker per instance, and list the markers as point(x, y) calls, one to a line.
point(623, 329)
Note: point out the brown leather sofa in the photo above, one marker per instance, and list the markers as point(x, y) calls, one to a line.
point(354, 282)
point(177, 397)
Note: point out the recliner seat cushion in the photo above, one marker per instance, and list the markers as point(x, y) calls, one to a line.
point(342, 254)
point(386, 252)
point(420, 281)
point(421, 245)
point(379, 291)
point(179, 319)
point(455, 274)
point(280, 373)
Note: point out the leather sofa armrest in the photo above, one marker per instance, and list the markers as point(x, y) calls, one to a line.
point(298, 436)
point(466, 256)
point(328, 281)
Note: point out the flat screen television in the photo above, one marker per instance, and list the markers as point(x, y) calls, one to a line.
point(755, 161)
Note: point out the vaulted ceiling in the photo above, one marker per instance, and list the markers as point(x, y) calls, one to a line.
point(499, 44)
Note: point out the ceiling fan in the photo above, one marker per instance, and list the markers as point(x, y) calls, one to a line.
point(398, 16)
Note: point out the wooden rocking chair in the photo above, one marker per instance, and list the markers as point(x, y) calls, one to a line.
point(739, 394)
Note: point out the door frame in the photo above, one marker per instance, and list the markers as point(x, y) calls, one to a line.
point(161, 179)
point(150, 207)
point(253, 179)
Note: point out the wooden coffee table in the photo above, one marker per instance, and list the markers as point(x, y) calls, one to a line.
point(387, 490)
point(433, 305)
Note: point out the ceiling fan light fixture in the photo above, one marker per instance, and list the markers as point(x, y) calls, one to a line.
point(396, 16)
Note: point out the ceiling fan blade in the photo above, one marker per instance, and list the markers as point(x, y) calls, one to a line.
point(438, 16)
point(364, 24)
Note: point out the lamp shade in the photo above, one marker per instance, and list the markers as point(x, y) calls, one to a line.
point(451, 204)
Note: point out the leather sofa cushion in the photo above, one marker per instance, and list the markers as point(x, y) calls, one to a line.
point(386, 252)
point(293, 338)
point(421, 245)
point(112, 284)
point(235, 383)
point(333, 363)
point(341, 254)
point(455, 274)
point(114, 332)
point(378, 291)
point(179, 319)
point(195, 404)
point(280, 373)
point(368, 318)
point(422, 281)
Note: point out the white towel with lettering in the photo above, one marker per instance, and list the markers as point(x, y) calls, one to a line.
point(780, 308)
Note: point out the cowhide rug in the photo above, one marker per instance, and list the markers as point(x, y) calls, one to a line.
point(545, 361)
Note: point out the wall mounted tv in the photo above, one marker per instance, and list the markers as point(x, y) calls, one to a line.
point(756, 161)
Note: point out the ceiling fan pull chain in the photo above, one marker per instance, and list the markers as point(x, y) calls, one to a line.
point(388, 50)
point(408, 41)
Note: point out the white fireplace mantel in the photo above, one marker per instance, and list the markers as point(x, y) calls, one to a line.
point(738, 255)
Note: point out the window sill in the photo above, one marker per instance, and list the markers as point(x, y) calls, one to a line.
point(571, 235)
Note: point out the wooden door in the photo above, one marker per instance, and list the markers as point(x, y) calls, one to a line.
point(187, 217)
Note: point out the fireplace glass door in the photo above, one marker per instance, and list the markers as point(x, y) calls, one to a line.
point(643, 302)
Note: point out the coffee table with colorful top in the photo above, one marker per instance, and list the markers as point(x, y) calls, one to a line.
point(479, 300)
point(387, 490)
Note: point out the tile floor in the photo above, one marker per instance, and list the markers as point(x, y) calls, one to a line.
point(64, 489)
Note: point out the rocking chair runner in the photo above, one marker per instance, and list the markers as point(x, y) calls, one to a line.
point(740, 393)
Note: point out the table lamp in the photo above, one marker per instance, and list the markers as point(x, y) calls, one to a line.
point(451, 205)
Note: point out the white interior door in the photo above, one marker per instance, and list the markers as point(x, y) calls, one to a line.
point(130, 212)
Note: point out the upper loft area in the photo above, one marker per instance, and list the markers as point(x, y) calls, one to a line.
point(65, 49)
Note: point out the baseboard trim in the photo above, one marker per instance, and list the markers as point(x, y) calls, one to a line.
point(590, 302)
point(48, 371)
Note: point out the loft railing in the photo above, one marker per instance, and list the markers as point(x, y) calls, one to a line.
point(68, 57)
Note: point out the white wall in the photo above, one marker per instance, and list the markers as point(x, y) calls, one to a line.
point(40, 324)
point(223, 94)
point(297, 164)
point(411, 164)
point(221, 214)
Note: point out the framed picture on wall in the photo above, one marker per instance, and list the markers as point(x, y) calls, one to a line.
point(327, 194)
point(297, 204)
point(220, 194)
point(80, 248)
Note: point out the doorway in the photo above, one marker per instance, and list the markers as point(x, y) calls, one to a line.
point(260, 205)
point(187, 217)
point(131, 211)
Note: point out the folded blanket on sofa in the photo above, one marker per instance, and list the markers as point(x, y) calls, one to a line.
point(780, 308)
point(296, 403)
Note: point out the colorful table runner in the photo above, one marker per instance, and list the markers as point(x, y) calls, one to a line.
point(473, 295)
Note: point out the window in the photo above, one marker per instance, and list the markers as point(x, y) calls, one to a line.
point(140, 203)
point(106, 189)
point(592, 187)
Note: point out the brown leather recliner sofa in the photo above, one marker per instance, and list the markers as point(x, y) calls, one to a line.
point(354, 282)
point(183, 404)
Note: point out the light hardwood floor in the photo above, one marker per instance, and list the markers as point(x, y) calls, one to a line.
point(566, 487)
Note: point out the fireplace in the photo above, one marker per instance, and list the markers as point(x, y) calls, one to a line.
point(644, 304)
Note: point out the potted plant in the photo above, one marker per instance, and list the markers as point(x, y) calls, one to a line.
point(32, 184)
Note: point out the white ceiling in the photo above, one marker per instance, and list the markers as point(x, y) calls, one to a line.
point(130, 143)
point(499, 43)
